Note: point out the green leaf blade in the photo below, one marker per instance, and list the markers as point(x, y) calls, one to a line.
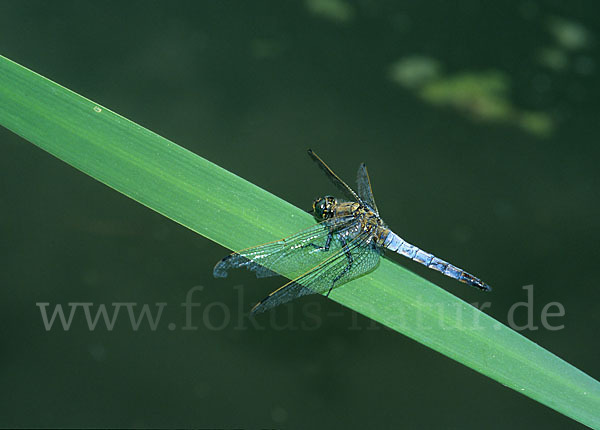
point(231, 211)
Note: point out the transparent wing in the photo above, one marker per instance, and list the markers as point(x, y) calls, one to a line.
point(293, 255)
point(365, 191)
point(341, 185)
point(349, 260)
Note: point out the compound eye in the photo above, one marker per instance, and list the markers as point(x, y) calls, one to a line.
point(320, 206)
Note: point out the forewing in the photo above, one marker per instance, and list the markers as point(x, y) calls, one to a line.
point(365, 191)
point(331, 273)
point(341, 185)
point(293, 255)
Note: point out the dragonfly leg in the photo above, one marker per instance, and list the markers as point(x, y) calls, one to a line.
point(346, 269)
point(327, 243)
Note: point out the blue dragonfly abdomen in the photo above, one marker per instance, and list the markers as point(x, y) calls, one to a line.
point(395, 243)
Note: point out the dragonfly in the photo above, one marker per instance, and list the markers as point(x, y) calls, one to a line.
point(347, 242)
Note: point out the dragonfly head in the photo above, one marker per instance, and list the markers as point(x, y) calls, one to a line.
point(324, 207)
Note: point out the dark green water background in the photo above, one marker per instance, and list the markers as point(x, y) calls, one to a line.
point(479, 124)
